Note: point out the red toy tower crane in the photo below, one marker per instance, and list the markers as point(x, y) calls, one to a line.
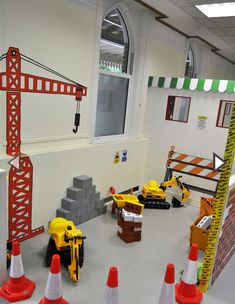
point(14, 82)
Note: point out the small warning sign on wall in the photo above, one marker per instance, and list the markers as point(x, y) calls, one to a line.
point(124, 155)
point(116, 158)
point(202, 122)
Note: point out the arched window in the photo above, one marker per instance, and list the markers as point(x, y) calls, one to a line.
point(114, 76)
point(114, 43)
point(190, 64)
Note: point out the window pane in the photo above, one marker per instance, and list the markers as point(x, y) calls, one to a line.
point(189, 69)
point(225, 113)
point(178, 108)
point(111, 105)
point(114, 43)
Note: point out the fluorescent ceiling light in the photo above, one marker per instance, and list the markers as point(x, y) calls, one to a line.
point(113, 23)
point(217, 9)
point(112, 43)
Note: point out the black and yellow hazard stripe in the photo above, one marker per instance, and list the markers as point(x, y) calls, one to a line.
point(220, 201)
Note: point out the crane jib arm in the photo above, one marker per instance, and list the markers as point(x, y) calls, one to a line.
point(36, 84)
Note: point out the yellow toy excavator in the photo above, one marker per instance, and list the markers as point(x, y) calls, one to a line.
point(68, 242)
point(154, 196)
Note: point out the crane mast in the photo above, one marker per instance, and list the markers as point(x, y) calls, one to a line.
point(14, 82)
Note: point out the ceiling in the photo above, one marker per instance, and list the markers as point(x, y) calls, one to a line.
point(184, 16)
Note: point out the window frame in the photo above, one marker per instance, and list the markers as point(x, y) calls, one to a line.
point(219, 110)
point(193, 74)
point(168, 107)
point(127, 75)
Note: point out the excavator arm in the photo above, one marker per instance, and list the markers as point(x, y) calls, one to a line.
point(75, 242)
point(175, 181)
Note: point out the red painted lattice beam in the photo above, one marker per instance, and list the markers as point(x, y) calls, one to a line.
point(14, 82)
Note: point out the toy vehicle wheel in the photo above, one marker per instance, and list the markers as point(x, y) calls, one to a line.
point(66, 257)
point(167, 206)
point(9, 250)
point(51, 249)
point(81, 255)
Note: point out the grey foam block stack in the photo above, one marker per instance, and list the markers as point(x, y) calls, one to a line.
point(82, 201)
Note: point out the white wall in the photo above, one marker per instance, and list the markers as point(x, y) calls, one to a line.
point(218, 68)
point(186, 137)
point(62, 35)
point(54, 172)
point(166, 52)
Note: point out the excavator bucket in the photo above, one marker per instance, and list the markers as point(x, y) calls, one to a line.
point(176, 203)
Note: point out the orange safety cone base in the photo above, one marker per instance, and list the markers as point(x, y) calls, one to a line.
point(58, 301)
point(17, 292)
point(186, 300)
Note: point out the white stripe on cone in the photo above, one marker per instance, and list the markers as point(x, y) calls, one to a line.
point(167, 295)
point(111, 296)
point(53, 286)
point(190, 273)
point(17, 269)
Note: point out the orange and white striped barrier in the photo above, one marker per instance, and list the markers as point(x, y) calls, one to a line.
point(111, 291)
point(53, 292)
point(18, 287)
point(192, 165)
point(167, 295)
point(187, 291)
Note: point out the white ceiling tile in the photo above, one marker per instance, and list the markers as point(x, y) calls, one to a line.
point(206, 22)
point(192, 11)
point(218, 31)
point(180, 3)
point(232, 39)
point(224, 22)
point(199, 2)
point(227, 39)
point(229, 30)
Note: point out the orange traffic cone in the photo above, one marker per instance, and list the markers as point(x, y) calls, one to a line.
point(111, 291)
point(53, 292)
point(18, 287)
point(167, 295)
point(187, 291)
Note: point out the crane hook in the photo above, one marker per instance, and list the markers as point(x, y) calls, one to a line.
point(76, 119)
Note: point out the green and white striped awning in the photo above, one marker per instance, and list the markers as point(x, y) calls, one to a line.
point(193, 84)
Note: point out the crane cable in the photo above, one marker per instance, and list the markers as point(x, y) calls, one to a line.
point(46, 68)
point(3, 56)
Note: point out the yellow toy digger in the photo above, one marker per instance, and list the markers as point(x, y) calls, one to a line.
point(68, 242)
point(154, 196)
point(119, 201)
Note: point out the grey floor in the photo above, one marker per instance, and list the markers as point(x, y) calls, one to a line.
point(141, 265)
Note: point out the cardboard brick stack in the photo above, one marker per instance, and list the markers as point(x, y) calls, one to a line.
point(200, 228)
point(82, 201)
point(130, 223)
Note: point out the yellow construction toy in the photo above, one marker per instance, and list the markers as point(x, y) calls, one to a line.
point(153, 195)
point(68, 242)
point(119, 201)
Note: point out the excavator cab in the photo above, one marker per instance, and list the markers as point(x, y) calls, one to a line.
point(153, 195)
point(67, 241)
